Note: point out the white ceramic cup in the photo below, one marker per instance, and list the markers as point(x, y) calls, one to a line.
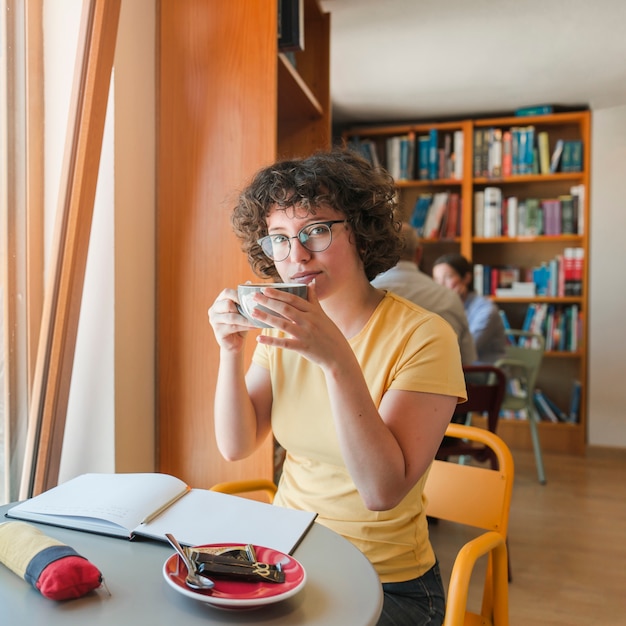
point(246, 293)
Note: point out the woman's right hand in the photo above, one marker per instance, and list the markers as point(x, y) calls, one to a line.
point(229, 326)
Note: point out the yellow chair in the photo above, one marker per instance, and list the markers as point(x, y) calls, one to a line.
point(251, 486)
point(466, 494)
point(479, 497)
point(521, 365)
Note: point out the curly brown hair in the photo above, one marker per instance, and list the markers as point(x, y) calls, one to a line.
point(338, 178)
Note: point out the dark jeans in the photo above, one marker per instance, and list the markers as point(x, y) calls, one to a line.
point(417, 602)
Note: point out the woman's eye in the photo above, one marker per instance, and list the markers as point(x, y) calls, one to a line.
point(278, 239)
point(316, 231)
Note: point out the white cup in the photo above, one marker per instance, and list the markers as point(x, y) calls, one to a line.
point(246, 293)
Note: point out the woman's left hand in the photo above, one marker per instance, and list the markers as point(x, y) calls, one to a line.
point(306, 327)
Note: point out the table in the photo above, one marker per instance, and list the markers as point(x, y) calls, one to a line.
point(342, 588)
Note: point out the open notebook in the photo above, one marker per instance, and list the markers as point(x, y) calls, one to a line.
point(150, 505)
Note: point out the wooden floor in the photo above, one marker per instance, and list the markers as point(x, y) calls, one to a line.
point(567, 541)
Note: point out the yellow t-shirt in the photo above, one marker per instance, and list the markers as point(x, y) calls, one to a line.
point(401, 347)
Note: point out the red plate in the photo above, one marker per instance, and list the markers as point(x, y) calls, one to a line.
point(240, 595)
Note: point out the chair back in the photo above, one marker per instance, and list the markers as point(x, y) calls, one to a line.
point(485, 385)
point(468, 494)
point(521, 366)
point(479, 497)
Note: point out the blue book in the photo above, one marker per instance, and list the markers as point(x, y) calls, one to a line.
point(420, 211)
point(405, 156)
point(541, 109)
point(541, 278)
point(423, 150)
point(433, 154)
point(507, 326)
point(574, 408)
point(561, 415)
point(576, 156)
point(530, 150)
point(566, 157)
point(530, 314)
point(543, 408)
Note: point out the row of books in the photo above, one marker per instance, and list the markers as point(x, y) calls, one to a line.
point(521, 150)
point(499, 216)
point(437, 215)
point(560, 276)
point(550, 411)
point(559, 325)
point(440, 155)
point(429, 156)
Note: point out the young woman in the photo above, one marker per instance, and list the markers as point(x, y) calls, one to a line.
point(455, 272)
point(357, 385)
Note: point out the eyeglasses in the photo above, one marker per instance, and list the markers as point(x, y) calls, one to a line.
point(314, 237)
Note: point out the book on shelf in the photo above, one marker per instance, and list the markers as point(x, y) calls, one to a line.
point(459, 140)
point(407, 157)
point(578, 195)
point(511, 216)
point(576, 156)
point(543, 142)
point(525, 151)
point(453, 217)
point(433, 154)
point(517, 289)
point(492, 212)
point(573, 269)
point(423, 151)
point(534, 165)
point(560, 414)
point(540, 109)
point(479, 278)
point(534, 218)
point(543, 408)
point(420, 211)
point(569, 219)
point(571, 157)
point(392, 154)
point(495, 153)
point(555, 159)
point(152, 504)
point(574, 408)
point(478, 153)
point(479, 214)
point(366, 148)
point(434, 218)
point(511, 339)
point(507, 153)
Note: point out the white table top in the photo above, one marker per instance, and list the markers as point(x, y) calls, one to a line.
point(342, 588)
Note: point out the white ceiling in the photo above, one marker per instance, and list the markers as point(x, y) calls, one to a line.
point(427, 59)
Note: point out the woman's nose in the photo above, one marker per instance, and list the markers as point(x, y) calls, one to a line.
point(298, 252)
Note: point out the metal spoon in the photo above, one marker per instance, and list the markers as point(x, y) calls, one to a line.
point(193, 580)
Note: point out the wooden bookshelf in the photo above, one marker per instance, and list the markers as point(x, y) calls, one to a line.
point(228, 104)
point(560, 368)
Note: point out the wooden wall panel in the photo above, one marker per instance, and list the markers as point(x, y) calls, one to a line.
point(216, 126)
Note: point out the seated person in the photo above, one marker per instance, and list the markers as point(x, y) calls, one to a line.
point(406, 279)
point(358, 385)
point(455, 272)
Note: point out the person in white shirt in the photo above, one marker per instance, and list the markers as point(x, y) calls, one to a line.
point(406, 280)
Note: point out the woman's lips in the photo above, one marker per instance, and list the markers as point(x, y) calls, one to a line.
point(304, 277)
